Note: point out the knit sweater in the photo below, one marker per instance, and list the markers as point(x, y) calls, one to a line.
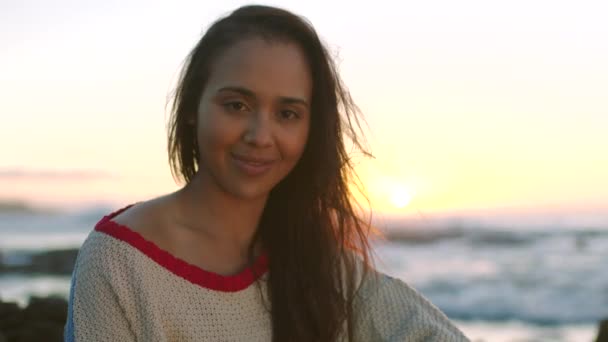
point(126, 288)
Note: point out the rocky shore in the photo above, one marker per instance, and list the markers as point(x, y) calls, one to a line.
point(43, 319)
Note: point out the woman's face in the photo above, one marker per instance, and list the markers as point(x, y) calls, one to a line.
point(253, 117)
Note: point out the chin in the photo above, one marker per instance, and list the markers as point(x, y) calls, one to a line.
point(248, 193)
point(251, 189)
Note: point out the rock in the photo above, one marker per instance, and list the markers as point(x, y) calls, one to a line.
point(35, 331)
point(7, 309)
point(42, 320)
point(11, 316)
point(47, 309)
point(56, 262)
point(417, 236)
point(602, 335)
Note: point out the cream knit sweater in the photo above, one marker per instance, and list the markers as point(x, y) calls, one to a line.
point(125, 288)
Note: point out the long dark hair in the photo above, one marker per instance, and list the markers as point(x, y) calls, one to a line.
point(316, 242)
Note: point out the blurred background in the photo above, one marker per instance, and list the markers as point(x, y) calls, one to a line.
point(488, 121)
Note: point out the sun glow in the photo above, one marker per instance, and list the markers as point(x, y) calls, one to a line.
point(400, 197)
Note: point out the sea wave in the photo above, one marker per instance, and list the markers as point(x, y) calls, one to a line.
point(543, 276)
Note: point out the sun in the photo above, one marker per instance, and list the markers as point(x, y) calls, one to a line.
point(400, 197)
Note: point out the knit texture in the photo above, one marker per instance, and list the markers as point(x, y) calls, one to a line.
point(125, 288)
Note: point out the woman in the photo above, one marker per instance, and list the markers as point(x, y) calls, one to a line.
point(262, 243)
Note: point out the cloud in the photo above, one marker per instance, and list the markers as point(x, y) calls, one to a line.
point(53, 174)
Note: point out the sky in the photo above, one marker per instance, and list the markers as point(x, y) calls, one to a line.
point(470, 105)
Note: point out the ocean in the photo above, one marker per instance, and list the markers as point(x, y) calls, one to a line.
point(543, 283)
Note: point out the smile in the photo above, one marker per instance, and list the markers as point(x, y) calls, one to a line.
point(252, 166)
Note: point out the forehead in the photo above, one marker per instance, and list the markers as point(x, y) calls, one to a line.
point(268, 68)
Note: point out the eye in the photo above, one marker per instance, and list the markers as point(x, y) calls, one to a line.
point(288, 115)
point(235, 106)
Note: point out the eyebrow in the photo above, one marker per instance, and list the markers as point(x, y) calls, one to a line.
point(248, 93)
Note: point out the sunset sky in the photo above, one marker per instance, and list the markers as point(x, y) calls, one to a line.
point(470, 104)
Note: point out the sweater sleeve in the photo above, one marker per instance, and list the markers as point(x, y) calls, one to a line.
point(394, 312)
point(94, 312)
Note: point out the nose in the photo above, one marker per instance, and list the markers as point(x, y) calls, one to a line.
point(259, 132)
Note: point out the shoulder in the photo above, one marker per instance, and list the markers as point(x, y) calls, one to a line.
point(104, 246)
point(143, 216)
point(113, 235)
point(111, 253)
point(100, 257)
point(391, 310)
point(150, 220)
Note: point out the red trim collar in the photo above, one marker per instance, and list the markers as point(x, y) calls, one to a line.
point(180, 267)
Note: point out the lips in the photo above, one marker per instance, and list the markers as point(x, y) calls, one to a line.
point(253, 160)
point(252, 166)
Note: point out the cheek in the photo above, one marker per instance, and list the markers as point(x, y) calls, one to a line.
point(296, 144)
point(215, 132)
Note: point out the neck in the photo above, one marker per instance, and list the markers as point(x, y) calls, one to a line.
point(209, 212)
